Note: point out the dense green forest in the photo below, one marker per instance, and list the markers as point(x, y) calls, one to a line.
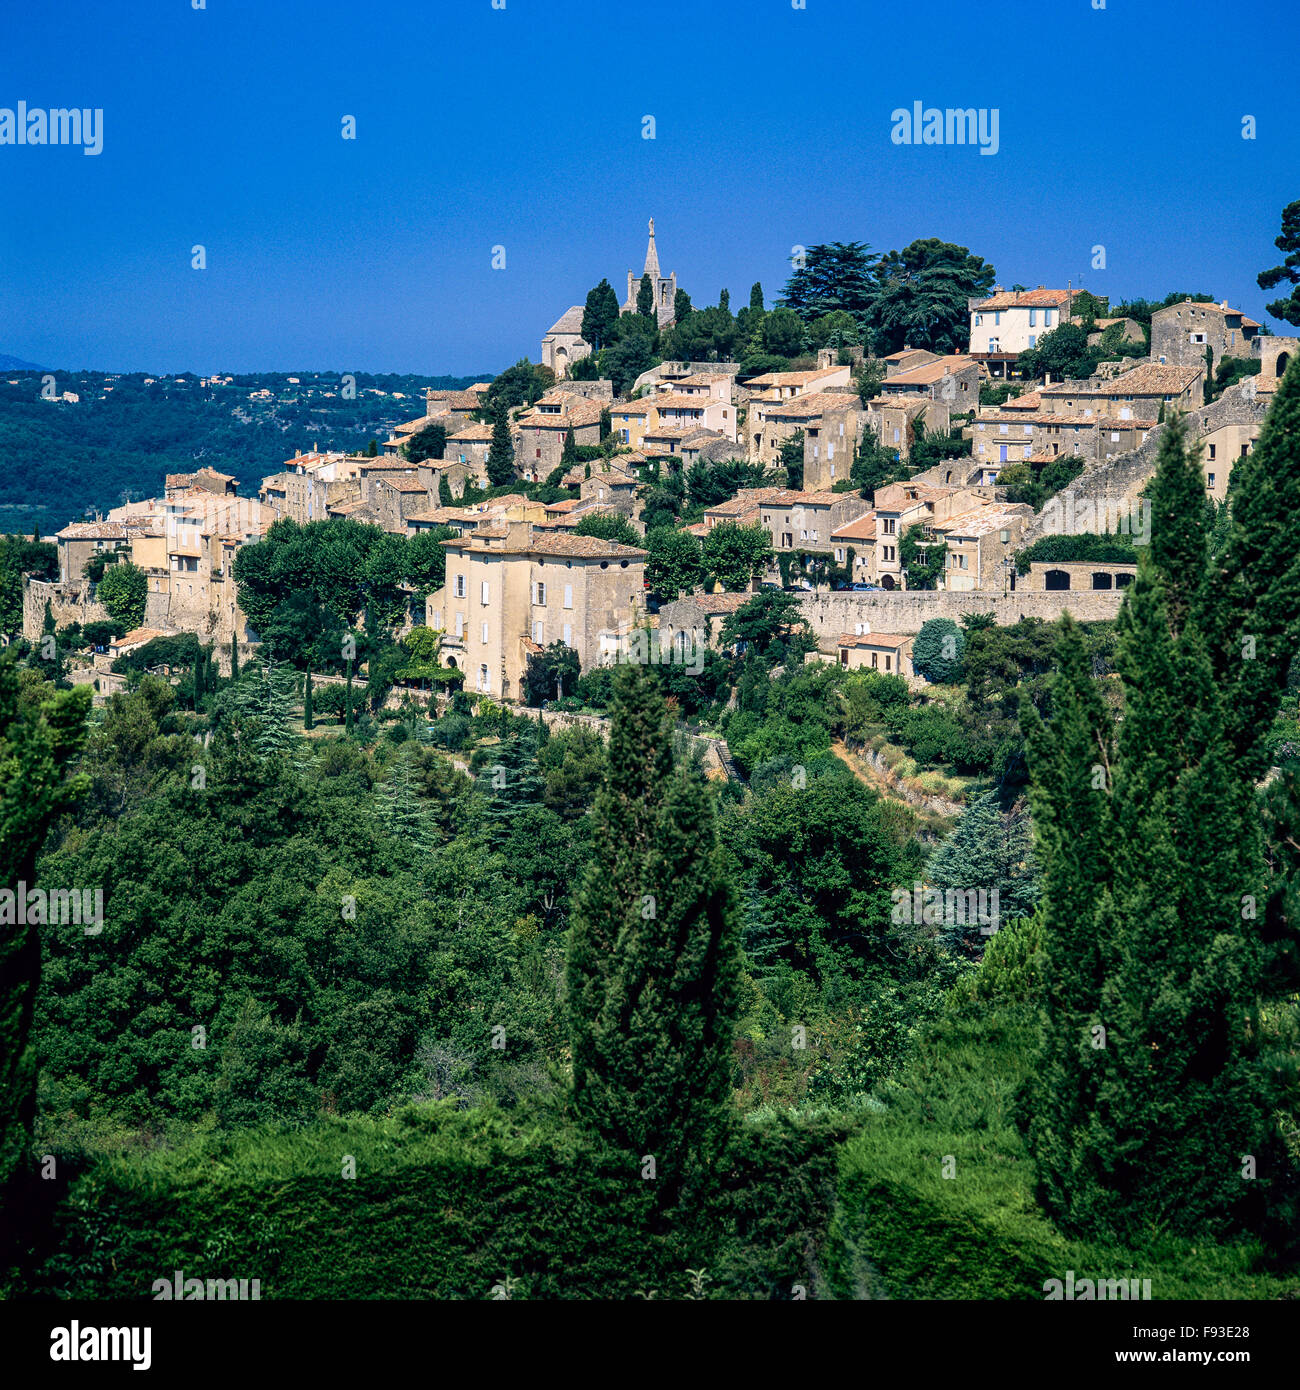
point(60, 459)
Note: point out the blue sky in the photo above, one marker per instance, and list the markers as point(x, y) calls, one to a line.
point(522, 128)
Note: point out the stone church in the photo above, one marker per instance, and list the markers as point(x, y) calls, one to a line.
point(564, 345)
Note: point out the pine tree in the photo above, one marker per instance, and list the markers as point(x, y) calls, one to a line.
point(501, 454)
point(652, 968)
point(987, 850)
point(263, 698)
point(399, 808)
point(308, 714)
point(513, 782)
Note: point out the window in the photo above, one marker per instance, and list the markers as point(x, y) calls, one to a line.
point(886, 663)
point(1047, 318)
point(537, 632)
point(1033, 322)
point(539, 595)
point(460, 586)
point(568, 635)
point(1033, 338)
point(891, 526)
point(1210, 481)
point(484, 596)
point(830, 450)
point(997, 318)
point(839, 556)
point(568, 595)
point(483, 678)
point(979, 320)
point(1212, 449)
point(460, 624)
point(1003, 429)
point(1024, 450)
point(485, 632)
point(895, 436)
point(875, 656)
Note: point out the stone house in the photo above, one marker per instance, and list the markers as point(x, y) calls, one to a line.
point(1181, 333)
point(955, 380)
point(1000, 437)
point(1219, 450)
point(699, 616)
point(1134, 395)
point(512, 589)
point(540, 432)
point(859, 538)
point(805, 520)
point(981, 546)
point(886, 652)
point(898, 507)
point(906, 359)
point(469, 444)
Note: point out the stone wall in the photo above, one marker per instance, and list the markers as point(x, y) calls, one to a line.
point(67, 605)
point(904, 611)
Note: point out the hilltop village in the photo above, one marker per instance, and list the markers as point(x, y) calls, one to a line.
point(576, 506)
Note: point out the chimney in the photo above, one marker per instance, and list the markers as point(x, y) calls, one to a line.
point(1042, 287)
point(519, 534)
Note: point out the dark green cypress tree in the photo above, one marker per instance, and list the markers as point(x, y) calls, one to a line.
point(1181, 517)
point(1071, 764)
point(1249, 608)
point(200, 669)
point(501, 453)
point(308, 714)
point(569, 454)
point(347, 706)
point(1160, 1073)
point(234, 660)
point(756, 295)
point(445, 498)
point(645, 297)
point(653, 960)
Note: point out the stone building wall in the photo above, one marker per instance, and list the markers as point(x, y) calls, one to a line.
point(1124, 477)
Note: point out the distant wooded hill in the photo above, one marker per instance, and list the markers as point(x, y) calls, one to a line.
point(60, 459)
